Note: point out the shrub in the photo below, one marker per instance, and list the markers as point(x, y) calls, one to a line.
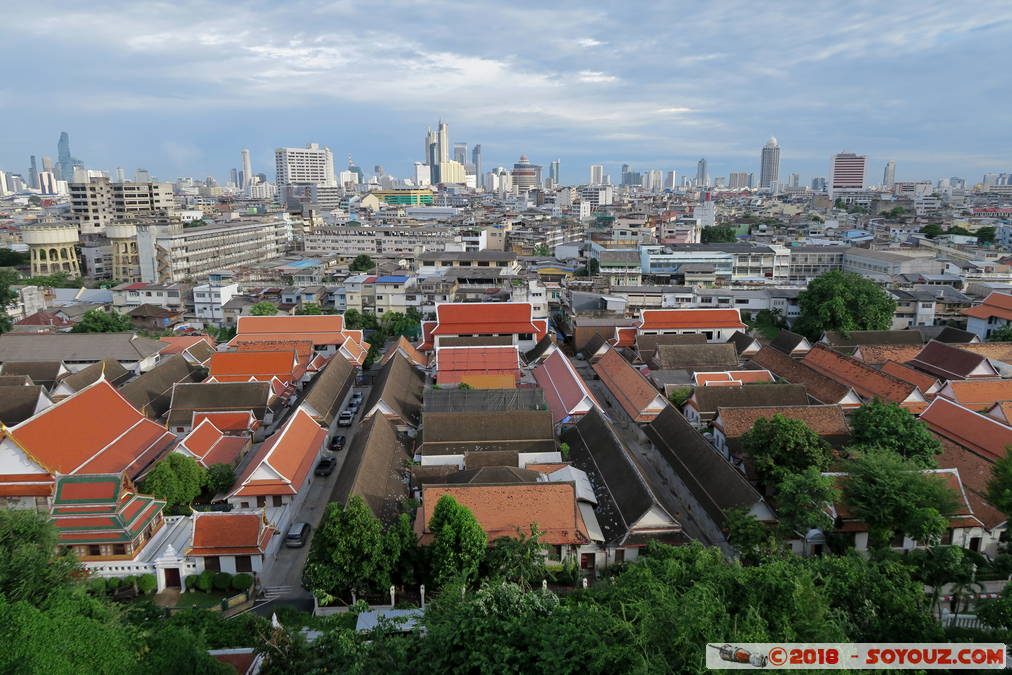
point(205, 581)
point(222, 581)
point(97, 585)
point(113, 583)
point(192, 582)
point(242, 582)
point(128, 582)
point(146, 583)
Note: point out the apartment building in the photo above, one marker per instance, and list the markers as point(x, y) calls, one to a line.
point(95, 204)
point(809, 262)
point(434, 261)
point(883, 265)
point(128, 296)
point(730, 262)
point(349, 241)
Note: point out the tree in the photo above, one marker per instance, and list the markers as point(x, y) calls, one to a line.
point(1001, 334)
point(12, 258)
point(349, 554)
point(394, 324)
point(986, 235)
point(8, 278)
point(886, 425)
point(519, 560)
point(932, 230)
point(718, 234)
point(751, 539)
point(361, 263)
point(593, 267)
point(999, 487)
point(781, 445)
point(177, 479)
point(802, 498)
point(263, 308)
point(460, 542)
point(997, 612)
point(30, 567)
point(679, 396)
point(542, 250)
point(220, 477)
point(936, 566)
point(843, 301)
point(309, 308)
point(956, 229)
point(893, 496)
point(100, 321)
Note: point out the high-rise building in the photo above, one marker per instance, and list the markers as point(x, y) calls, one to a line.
point(794, 180)
point(847, 171)
point(476, 160)
point(247, 170)
point(770, 168)
point(597, 174)
point(670, 180)
point(460, 153)
point(553, 172)
point(33, 173)
point(423, 174)
point(889, 174)
point(359, 174)
point(46, 181)
point(99, 202)
point(452, 172)
point(120, 174)
point(66, 162)
point(233, 177)
point(526, 176)
point(702, 174)
point(311, 164)
point(738, 180)
point(142, 176)
point(819, 184)
point(444, 142)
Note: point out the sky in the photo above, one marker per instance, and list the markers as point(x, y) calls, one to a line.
point(180, 87)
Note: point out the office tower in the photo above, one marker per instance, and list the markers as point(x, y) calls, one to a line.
point(33, 173)
point(452, 172)
point(794, 180)
point(889, 175)
point(208, 182)
point(596, 174)
point(142, 176)
point(46, 182)
point(47, 164)
point(378, 170)
point(460, 153)
point(120, 175)
point(423, 174)
point(66, 162)
point(553, 172)
point(311, 164)
point(702, 174)
point(526, 176)
point(443, 142)
point(957, 183)
point(770, 167)
point(670, 180)
point(847, 171)
point(359, 174)
point(476, 160)
point(233, 177)
point(737, 180)
point(819, 184)
point(247, 170)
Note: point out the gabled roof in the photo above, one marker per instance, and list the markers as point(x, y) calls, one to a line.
point(232, 422)
point(328, 390)
point(18, 403)
point(646, 345)
point(208, 445)
point(93, 431)
point(994, 351)
point(200, 346)
point(124, 347)
point(928, 384)
point(708, 399)
point(977, 394)
point(728, 378)
point(15, 380)
point(408, 351)
point(861, 377)
point(290, 325)
point(545, 345)
point(45, 373)
point(216, 534)
point(452, 363)
point(189, 398)
point(744, 343)
point(876, 354)
point(151, 393)
point(853, 338)
point(565, 391)
point(693, 357)
point(108, 369)
point(995, 305)
point(712, 480)
point(483, 317)
point(397, 391)
point(975, 472)
point(791, 343)
point(641, 401)
point(241, 366)
point(982, 434)
point(282, 463)
point(688, 319)
point(825, 420)
point(374, 469)
point(819, 387)
point(951, 363)
point(99, 509)
point(516, 430)
point(622, 493)
point(503, 509)
point(45, 319)
point(483, 400)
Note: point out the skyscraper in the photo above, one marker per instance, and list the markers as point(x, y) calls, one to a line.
point(311, 164)
point(794, 180)
point(847, 171)
point(460, 153)
point(66, 163)
point(889, 175)
point(476, 160)
point(142, 176)
point(233, 177)
point(738, 180)
point(702, 174)
point(120, 175)
point(247, 170)
point(770, 169)
point(526, 176)
point(553, 172)
point(597, 174)
point(33, 173)
point(443, 142)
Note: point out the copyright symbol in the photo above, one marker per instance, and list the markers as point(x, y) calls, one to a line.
point(777, 656)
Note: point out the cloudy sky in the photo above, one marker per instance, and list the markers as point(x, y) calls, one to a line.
point(180, 87)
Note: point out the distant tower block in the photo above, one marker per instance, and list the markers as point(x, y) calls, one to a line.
point(53, 248)
point(126, 264)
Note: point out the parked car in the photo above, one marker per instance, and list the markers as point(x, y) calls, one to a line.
point(325, 466)
point(337, 443)
point(298, 535)
point(344, 419)
point(353, 407)
point(356, 397)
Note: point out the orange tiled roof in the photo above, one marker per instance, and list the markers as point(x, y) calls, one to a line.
point(92, 431)
point(484, 317)
point(641, 401)
point(271, 343)
point(233, 422)
point(452, 363)
point(861, 377)
point(210, 446)
point(236, 533)
point(259, 364)
point(826, 420)
point(283, 462)
point(687, 319)
point(179, 344)
point(408, 350)
point(978, 394)
point(290, 325)
point(984, 435)
point(625, 337)
point(489, 381)
point(732, 377)
point(881, 353)
point(501, 509)
point(926, 383)
point(995, 304)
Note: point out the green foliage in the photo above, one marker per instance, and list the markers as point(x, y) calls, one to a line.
point(593, 267)
point(192, 582)
point(361, 263)
point(932, 230)
point(220, 477)
point(205, 581)
point(564, 450)
point(542, 250)
point(12, 258)
point(781, 445)
point(956, 229)
point(893, 213)
point(768, 323)
point(173, 650)
point(679, 396)
point(348, 554)
point(177, 479)
point(96, 585)
point(30, 568)
point(1001, 334)
point(894, 496)
point(113, 583)
point(460, 542)
point(843, 301)
point(242, 582)
point(147, 583)
point(718, 234)
point(517, 560)
point(8, 278)
point(997, 612)
point(986, 235)
point(394, 324)
point(752, 540)
point(221, 581)
point(99, 321)
point(58, 280)
point(802, 499)
point(887, 425)
point(309, 308)
point(999, 487)
point(263, 308)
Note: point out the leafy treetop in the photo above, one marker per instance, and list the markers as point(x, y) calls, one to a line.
point(843, 301)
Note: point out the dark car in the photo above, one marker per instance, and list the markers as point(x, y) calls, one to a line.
point(297, 535)
point(337, 443)
point(345, 419)
point(356, 397)
point(325, 466)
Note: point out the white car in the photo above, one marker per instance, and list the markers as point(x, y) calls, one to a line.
point(344, 419)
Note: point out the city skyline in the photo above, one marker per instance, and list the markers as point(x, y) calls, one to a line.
point(182, 100)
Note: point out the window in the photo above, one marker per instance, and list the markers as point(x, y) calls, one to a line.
point(527, 336)
point(555, 553)
point(619, 555)
point(261, 502)
point(277, 500)
point(213, 563)
point(94, 549)
point(243, 563)
point(244, 505)
point(119, 549)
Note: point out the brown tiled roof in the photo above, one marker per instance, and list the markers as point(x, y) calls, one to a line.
point(825, 420)
point(949, 362)
point(819, 387)
point(787, 341)
point(984, 435)
point(708, 399)
point(457, 432)
point(922, 380)
point(743, 342)
point(399, 386)
point(375, 469)
point(18, 403)
point(646, 345)
point(41, 372)
point(978, 394)
point(861, 377)
point(408, 351)
point(641, 401)
point(328, 390)
point(975, 472)
point(151, 393)
point(696, 357)
point(998, 351)
point(189, 398)
point(876, 354)
point(110, 369)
